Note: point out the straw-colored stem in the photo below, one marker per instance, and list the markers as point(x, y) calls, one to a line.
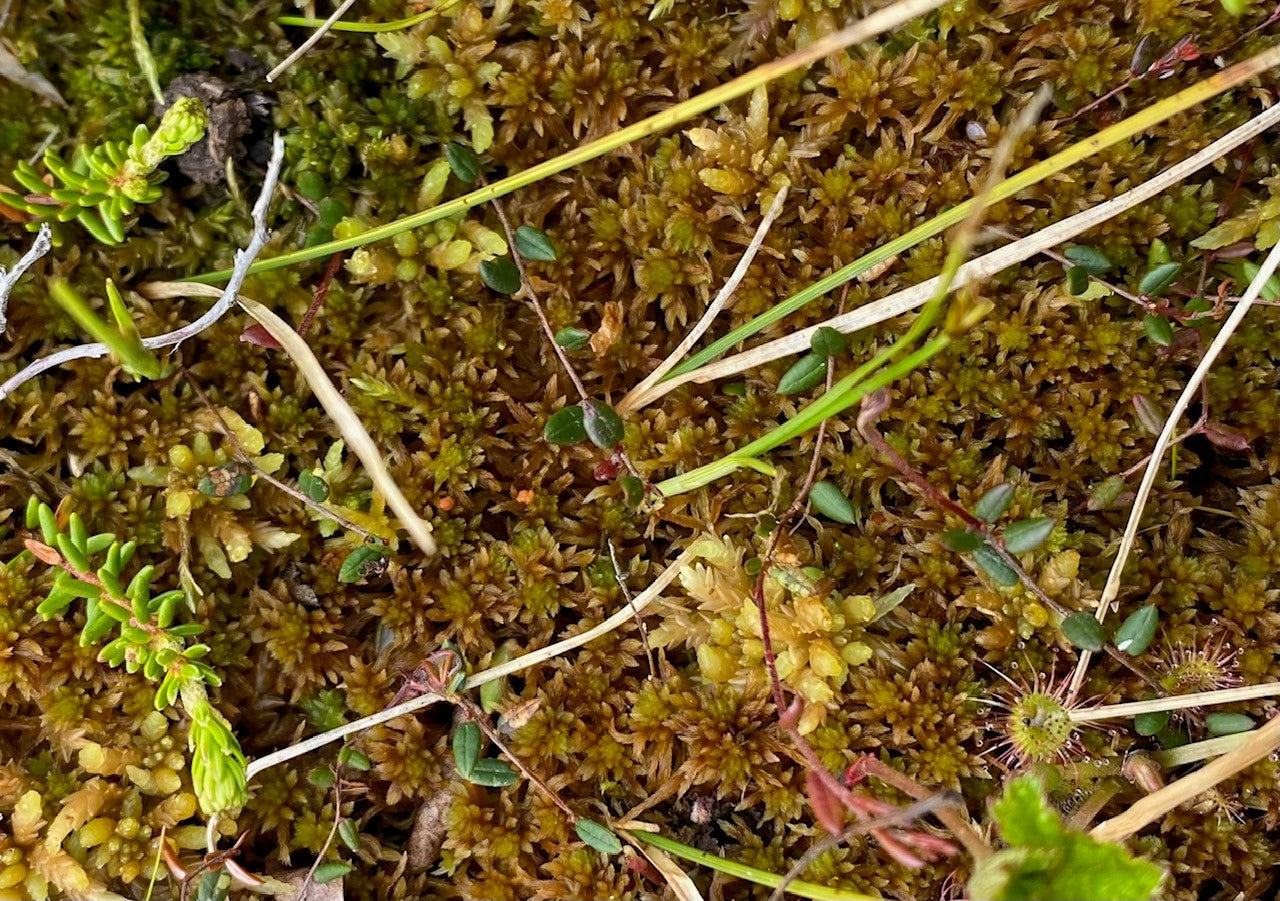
point(1176, 702)
point(877, 23)
point(373, 27)
point(1135, 124)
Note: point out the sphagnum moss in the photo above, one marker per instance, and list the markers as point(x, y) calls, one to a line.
point(446, 376)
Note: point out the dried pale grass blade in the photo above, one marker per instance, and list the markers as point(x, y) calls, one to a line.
point(722, 299)
point(677, 879)
point(983, 267)
point(1175, 702)
point(625, 614)
point(1261, 743)
point(357, 438)
point(310, 41)
point(1112, 588)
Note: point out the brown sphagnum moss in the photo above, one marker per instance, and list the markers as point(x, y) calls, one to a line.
point(455, 384)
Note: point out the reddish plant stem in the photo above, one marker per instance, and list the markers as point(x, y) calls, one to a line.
point(322, 291)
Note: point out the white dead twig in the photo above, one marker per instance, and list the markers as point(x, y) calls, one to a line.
point(980, 268)
point(311, 41)
point(1112, 588)
point(8, 278)
point(624, 614)
point(723, 298)
point(227, 297)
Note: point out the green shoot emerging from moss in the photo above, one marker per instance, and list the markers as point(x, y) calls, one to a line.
point(146, 639)
point(100, 187)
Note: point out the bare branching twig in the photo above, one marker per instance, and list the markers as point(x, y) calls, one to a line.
point(243, 260)
point(8, 278)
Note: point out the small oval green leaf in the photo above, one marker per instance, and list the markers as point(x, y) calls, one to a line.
point(962, 540)
point(313, 486)
point(321, 777)
point(1150, 723)
point(533, 244)
point(1137, 631)
point(1158, 329)
point(598, 837)
point(328, 872)
point(1227, 723)
point(991, 506)
point(632, 490)
point(1158, 254)
point(365, 561)
point(349, 832)
point(1106, 493)
point(463, 161)
point(1027, 534)
point(1083, 631)
point(991, 563)
point(492, 773)
point(355, 759)
point(565, 426)
point(803, 374)
point(466, 748)
point(1090, 259)
point(1077, 280)
point(827, 342)
point(1159, 278)
point(602, 424)
point(501, 275)
point(573, 338)
point(832, 503)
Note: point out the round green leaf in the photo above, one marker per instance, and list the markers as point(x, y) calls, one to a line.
point(1227, 723)
point(992, 505)
point(598, 837)
point(1137, 631)
point(991, 563)
point(533, 244)
point(1027, 534)
point(1158, 329)
point(827, 342)
point(313, 486)
point(1083, 631)
point(462, 161)
point(832, 503)
point(1150, 723)
point(365, 561)
point(572, 338)
point(565, 426)
point(1158, 279)
point(328, 872)
point(602, 424)
point(632, 490)
point(1090, 259)
point(803, 374)
point(962, 540)
point(1172, 737)
point(311, 185)
point(501, 275)
point(1235, 7)
point(357, 760)
point(321, 777)
point(466, 748)
point(492, 773)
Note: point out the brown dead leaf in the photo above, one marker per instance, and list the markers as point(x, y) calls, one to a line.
point(428, 830)
point(12, 70)
point(610, 328)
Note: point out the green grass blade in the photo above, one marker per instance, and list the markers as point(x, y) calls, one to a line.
point(878, 22)
point(1135, 124)
point(744, 871)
